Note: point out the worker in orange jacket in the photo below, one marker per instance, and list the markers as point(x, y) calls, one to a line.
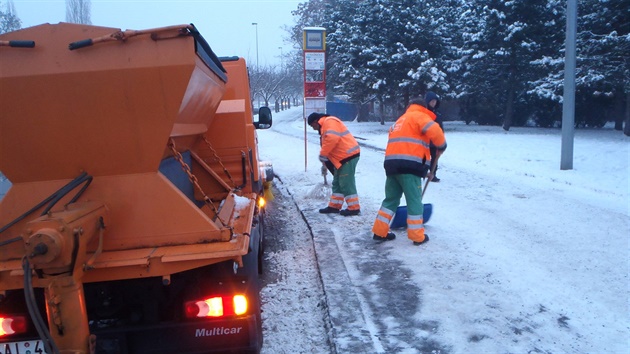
point(340, 154)
point(407, 161)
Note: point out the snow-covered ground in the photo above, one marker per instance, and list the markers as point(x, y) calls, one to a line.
point(523, 257)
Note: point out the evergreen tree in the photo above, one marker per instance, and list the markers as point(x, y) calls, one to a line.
point(467, 53)
point(427, 42)
point(604, 62)
point(347, 56)
point(512, 35)
point(449, 23)
point(502, 60)
point(603, 65)
point(383, 50)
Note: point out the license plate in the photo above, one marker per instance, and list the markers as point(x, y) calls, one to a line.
point(27, 347)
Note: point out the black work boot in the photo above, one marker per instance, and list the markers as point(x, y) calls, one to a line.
point(348, 212)
point(329, 210)
point(390, 236)
point(426, 239)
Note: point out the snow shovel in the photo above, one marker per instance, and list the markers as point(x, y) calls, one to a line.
point(428, 207)
point(321, 191)
point(400, 217)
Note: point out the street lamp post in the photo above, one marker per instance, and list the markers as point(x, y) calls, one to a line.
point(257, 67)
point(256, 24)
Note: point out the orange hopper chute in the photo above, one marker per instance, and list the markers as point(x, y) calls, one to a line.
point(110, 110)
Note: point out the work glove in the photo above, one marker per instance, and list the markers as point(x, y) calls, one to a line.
point(323, 158)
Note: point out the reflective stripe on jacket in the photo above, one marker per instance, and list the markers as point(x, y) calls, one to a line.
point(409, 140)
point(338, 145)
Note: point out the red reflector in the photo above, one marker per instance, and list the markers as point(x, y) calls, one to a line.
point(192, 310)
point(12, 325)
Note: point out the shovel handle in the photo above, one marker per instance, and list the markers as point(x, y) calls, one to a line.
point(426, 184)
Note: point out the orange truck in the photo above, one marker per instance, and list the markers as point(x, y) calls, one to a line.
point(134, 220)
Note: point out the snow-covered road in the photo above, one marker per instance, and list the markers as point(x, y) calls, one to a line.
point(523, 257)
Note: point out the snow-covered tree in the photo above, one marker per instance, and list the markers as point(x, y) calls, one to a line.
point(502, 60)
point(604, 62)
point(511, 35)
point(603, 65)
point(384, 50)
point(448, 23)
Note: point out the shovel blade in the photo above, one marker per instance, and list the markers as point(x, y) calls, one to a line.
point(426, 214)
point(399, 221)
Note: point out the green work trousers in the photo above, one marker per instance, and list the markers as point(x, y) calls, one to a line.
point(343, 178)
point(411, 186)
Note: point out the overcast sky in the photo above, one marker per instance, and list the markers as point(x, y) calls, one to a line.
point(226, 24)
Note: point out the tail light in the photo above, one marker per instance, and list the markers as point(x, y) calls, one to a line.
point(218, 306)
point(12, 325)
point(261, 202)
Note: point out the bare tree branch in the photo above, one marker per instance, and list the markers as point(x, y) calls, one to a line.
point(78, 11)
point(8, 18)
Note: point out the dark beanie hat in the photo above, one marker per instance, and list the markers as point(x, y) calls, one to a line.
point(430, 95)
point(314, 116)
point(418, 100)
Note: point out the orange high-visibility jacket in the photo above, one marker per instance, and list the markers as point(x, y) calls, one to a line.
point(338, 145)
point(409, 139)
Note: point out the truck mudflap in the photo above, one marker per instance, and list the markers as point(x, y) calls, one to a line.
point(204, 336)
